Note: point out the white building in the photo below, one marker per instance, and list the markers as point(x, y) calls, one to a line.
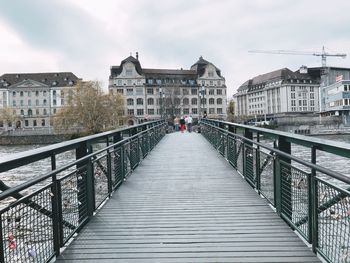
point(154, 93)
point(34, 97)
point(278, 92)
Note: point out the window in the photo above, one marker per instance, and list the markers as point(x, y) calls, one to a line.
point(45, 102)
point(194, 101)
point(130, 112)
point(150, 111)
point(194, 111)
point(26, 123)
point(311, 89)
point(211, 83)
point(150, 101)
point(30, 112)
point(43, 122)
point(130, 102)
point(129, 92)
point(211, 110)
point(150, 91)
point(345, 87)
point(139, 101)
point(219, 110)
point(37, 93)
point(22, 112)
point(45, 111)
point(185, 101)
point(120, 91)
point(21, 93)
point(139, 91)
point(120, 82)
point(193, 91)
point(29, 93)
point(292, 95)
point(312, 96)
point(14, 103)
point(219, 101)
point(292, 88)
point(150, 81)
point(128, 72)
point(37, 112)
point(14, 94)
point(218, 92)
point(29, 102)
point(211, 101)
point(186, 111)
point(44, 93)
point(139, 112)
point(34, 123)
point(54, 102)
point(185, 91)
point(211, 91)
point(129, 82)
point(210, 74)
point(21, 103)
point(54, 93)
point(312, 103)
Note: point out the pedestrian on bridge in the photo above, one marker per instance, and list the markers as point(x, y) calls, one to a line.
point(189, 123)
point(182, 124)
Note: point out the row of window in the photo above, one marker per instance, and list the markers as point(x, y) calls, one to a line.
point(27, 123)
point(177, 101)
point(302, 109)
point(29, 112)
point(342, 102)
point(140, 112)
point(37, 102)
point(152, 91)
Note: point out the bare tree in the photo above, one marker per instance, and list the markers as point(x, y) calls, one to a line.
point(7, 115)
point(231, 111)
point(89, 111)
point(171, 102)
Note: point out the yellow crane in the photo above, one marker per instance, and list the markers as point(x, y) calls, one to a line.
point(323, 54)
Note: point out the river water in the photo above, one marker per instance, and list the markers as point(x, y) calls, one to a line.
point(20, 175)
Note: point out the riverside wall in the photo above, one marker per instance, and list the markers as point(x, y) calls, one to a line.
point(31, 139)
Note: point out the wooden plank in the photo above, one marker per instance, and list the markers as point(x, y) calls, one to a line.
point(184, 203)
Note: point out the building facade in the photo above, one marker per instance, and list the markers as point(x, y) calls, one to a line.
point(155, 93)
point(335, 92)
point(278, 92)
point(34, 97)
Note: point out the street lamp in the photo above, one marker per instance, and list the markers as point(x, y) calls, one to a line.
point(161, 96)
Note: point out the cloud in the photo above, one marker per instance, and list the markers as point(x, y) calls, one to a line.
point(87, 36)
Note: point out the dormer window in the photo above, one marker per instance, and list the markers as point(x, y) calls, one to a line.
point(70, 82)
point(210, 74)
point(128, 72)
point(54, 83)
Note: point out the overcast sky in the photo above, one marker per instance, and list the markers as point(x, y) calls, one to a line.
point(86, 37)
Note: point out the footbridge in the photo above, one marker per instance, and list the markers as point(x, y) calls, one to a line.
point(231, 193)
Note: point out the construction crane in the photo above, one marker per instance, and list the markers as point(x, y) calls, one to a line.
point(322, 54)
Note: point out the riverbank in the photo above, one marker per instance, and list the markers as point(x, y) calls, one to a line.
point(32, 139)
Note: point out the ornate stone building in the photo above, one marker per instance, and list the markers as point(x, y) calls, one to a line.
point(34, 97)
point(155, 93)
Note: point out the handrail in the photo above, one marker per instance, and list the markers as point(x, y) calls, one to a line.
point(60, 207)
point(310, 203)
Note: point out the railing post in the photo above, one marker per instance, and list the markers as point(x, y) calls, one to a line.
point(56, 211)
point(109, 169)
point(2, 249)
point(284, 146)
point(313, 204)
point(257, 164)
point(249, 135)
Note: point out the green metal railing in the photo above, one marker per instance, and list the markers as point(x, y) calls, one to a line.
point(312, 199)
point(43, 213)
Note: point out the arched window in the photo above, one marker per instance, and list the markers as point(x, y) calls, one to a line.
point(30, 112)
point(219, 101)
point(185, 101)
point(150, 101)
point(45, 111)
point(139, 101)
point(130, 102)
point(211, 101)
point(204, 101)
point(22, 112)
point(194, 101)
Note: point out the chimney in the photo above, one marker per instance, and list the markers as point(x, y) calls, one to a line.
point(137, 55)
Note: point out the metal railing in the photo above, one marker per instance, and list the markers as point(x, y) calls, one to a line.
point(43, 213)
point(312, 199)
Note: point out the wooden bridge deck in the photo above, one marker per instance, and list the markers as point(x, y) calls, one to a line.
point(184, 203)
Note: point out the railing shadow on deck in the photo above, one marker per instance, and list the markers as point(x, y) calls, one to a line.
point(312, 199)
point(42, 214)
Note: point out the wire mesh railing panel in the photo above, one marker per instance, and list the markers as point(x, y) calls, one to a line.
point(250, 164)
point(126, 160)
point(134, 153)
point(333, 222)
point(295, 197)
point(231, 151)
point(239, 156)
point(73, 201)
point(100, 173)
point(266, 175)
point(27, 228)
point(222, 142)
point(117, 167)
